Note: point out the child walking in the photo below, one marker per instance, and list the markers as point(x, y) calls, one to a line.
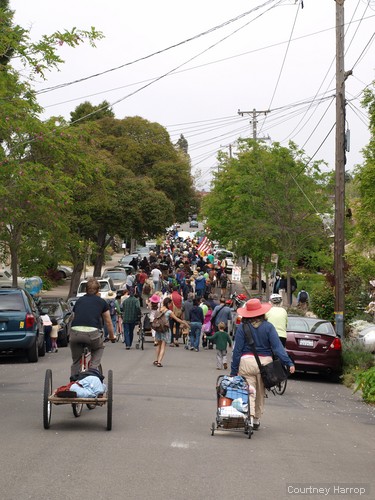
point(54, 335)
point(221, 339)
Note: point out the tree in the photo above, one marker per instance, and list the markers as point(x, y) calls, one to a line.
point(262, 202)
point(87, 112)
point(28, 188)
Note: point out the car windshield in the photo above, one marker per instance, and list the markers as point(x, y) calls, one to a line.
point(104, 286)
point(310, 325)
point(11, 302)
point(52, 309)
point(116, 275)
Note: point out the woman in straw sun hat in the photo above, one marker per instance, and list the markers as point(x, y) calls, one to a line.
point(267, 343)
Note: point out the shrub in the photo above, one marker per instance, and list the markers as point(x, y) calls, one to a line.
point(323, 302)
point(356, 359)
point(366, 383)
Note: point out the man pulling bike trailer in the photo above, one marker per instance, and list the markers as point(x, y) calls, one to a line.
point(87, 346)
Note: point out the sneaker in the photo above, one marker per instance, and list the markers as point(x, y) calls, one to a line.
point(192, 348)
point(196, 350)
point(225, 366)
point(256, 424)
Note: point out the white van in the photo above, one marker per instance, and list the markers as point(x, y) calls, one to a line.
point(106, 285)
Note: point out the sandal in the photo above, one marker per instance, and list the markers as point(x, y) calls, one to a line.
point(159, 365)
point(155, 363)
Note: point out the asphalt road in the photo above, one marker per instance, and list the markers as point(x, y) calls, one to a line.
point(160, 446)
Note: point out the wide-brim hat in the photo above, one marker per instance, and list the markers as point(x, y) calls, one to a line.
point(253, 308)
point(155, 299)
point(111, 293)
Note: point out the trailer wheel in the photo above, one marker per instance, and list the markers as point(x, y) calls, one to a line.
point(47, 405)
point(109, 399)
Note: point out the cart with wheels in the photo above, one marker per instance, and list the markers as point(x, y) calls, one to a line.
point(50, 399)
point(232, 406)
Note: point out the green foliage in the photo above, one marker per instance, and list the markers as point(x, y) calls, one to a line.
point(88, 112)
point(366, 383)
point(323, 302)
point(264, 216)
point(356, 359)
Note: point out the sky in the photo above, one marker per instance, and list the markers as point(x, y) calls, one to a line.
point(203, 61)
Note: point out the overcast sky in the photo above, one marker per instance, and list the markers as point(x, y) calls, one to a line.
point(278, 57)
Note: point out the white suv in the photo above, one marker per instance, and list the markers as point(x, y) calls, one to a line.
point(106, 285)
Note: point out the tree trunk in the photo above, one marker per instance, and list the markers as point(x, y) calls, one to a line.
point(76, 278)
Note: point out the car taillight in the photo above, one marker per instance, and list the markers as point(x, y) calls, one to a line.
point(30, 320)
point(336, 344)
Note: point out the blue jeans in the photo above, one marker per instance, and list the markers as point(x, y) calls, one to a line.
point(128, 333)
point(195, 334)
point(113, 319)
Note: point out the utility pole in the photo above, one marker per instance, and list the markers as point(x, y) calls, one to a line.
point(254, 121)
point(339, 252)
point(229, 146)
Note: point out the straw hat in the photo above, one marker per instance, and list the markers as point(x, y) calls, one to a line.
point(253, 308)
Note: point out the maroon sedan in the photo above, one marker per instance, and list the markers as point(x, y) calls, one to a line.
point(313, 345)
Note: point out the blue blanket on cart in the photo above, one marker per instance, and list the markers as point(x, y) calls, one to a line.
point(89, 387)
point(235, 387)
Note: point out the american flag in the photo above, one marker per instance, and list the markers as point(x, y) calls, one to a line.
point(205, 245)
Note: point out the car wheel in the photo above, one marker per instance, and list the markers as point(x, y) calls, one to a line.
point(32, 352)
point(61, 275)
point(42, 349)
point(63, 340)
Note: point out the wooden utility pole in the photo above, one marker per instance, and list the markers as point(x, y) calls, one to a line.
point(254, 121)
point(339, 253)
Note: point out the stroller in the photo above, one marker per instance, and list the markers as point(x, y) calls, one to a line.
point(233, 405)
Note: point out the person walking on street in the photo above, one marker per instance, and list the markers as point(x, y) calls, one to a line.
point(266, 343)
point(162, 338)
point(196, 319)
point(278, 316)
point(90, 312)
point(130, 317)
point(222, 314)
point(156, 276)
point(222, 340)
point(303, 300)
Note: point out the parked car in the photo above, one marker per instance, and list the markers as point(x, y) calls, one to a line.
point(6, 279)
point(105, 286)
point(367, 338)
point(71, 302)
point(60, 310)
point(313, 345)
point(126, 259)
point(223, 253)
point(21, 328)
point(126, 267)
point(64, 271)
point(193, 223)
point(118, 275)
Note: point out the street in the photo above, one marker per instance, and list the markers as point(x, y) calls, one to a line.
point(160, 447)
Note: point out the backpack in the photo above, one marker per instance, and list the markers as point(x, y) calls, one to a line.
point(160, 323)
point(146, 288)
point(303, 297)
point(112, 307)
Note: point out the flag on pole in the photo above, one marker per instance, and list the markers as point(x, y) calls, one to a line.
point(205, 245)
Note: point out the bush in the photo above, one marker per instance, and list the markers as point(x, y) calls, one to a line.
point(366, 383)
point(356, 359)
point(323, 302)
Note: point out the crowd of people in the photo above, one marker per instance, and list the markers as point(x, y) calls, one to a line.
point(185, 293)
point(189, 287)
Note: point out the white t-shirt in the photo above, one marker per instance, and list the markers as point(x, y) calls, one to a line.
point(155, 274)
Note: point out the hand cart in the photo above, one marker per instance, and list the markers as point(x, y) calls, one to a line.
point(227, 416)
point(50, 398)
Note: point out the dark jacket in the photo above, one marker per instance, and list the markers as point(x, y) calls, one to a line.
point(267, 343)
point(196, 315)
